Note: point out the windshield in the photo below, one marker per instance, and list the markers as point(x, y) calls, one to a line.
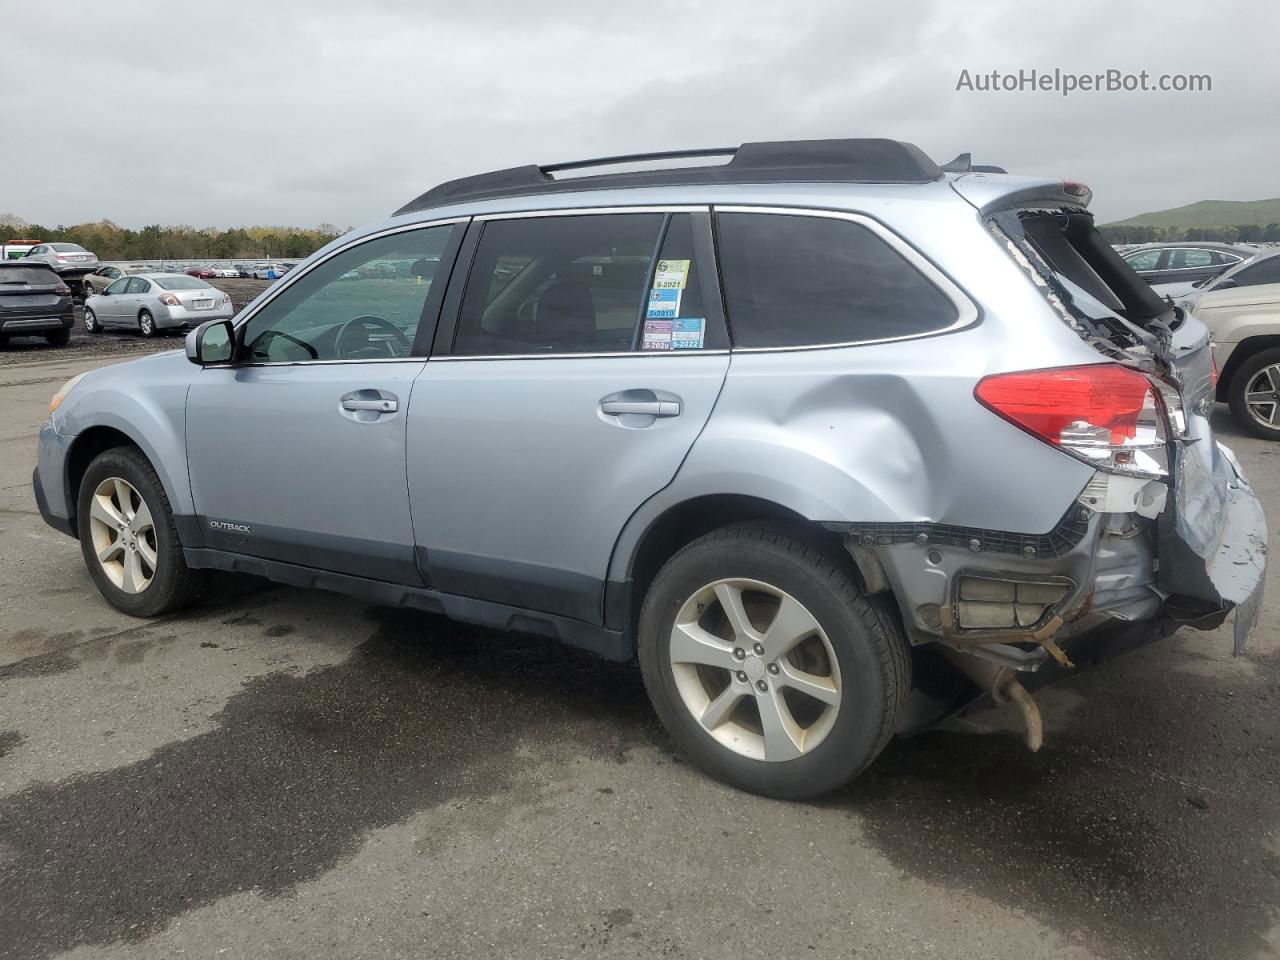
point(67, 247)
point(182, 283)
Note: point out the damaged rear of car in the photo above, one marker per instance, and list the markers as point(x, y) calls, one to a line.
point(1166, 533)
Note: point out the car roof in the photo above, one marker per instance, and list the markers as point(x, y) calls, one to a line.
point(869, 160)
point(28, 264)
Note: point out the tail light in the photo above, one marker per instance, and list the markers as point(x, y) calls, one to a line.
point(170, 299)
point(62, 290)
point(1109, 416)
point(226, 298)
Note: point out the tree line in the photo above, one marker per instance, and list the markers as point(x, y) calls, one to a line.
point(1242, 233)
point(156, 242)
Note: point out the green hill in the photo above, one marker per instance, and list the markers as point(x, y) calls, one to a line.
point(1208, 214)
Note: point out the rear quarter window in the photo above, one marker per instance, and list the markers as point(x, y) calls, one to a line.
point(796, 280)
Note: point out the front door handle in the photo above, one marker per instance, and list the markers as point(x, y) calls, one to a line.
point(649, 408)
point(377, 406)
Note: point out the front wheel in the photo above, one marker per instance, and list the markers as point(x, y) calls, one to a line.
point(767, 664)
point(91, 324)
point(147, 324)
point(128, 536)
point(1254, 394)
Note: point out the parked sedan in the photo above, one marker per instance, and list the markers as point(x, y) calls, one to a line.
point(104, 276)
point(204, 273)
point(70, 261)
point(228, 272)
point(1173, 268)
point(151, 302)
point(34, 302)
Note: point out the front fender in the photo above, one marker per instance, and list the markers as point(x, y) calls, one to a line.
point(146, 401)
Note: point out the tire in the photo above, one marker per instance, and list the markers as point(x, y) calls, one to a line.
point(857, 652)
point(58, 338)
point(91, 324)
point(146, 324)
point(1257, 372)
point(172, 584)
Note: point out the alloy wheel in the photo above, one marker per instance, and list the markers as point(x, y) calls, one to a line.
point(755, 669)
point(124, 536)
point(1262, 396)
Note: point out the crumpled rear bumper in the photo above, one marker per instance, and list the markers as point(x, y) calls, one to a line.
point(1213, 544)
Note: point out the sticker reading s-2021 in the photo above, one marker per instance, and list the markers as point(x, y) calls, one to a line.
point(671, 275)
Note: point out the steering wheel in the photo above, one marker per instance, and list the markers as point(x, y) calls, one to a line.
point(261, 346)
point(367, 324)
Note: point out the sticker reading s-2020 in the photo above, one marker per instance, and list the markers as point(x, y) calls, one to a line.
point(657, 335)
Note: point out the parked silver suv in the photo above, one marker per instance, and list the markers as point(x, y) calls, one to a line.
point(831, 441)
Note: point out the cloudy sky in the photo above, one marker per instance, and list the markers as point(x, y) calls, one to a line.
point(338, 111)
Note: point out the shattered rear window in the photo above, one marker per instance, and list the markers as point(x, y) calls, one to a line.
point(1092, 279)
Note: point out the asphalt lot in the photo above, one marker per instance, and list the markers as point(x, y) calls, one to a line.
point(289, 774)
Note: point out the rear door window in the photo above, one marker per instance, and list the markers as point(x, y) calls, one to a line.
point(796, 280)
point(591, 283)
point(1146, 260)
point(1183, 259)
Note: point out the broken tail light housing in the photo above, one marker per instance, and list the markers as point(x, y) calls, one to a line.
point(169, 299)
point(1111, 417)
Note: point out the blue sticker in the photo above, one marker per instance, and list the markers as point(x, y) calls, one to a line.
point(686, 333)
point(663, 304)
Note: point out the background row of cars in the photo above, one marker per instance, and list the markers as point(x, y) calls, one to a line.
point(1234, 290)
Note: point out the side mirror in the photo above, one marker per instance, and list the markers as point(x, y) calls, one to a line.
point(211, 342)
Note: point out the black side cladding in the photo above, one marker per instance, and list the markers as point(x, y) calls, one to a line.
point(868, 160)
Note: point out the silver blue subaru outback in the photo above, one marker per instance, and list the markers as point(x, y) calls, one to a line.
point(830, 439)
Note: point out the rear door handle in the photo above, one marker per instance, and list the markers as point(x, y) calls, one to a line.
point(650, 408)
point(378, 406)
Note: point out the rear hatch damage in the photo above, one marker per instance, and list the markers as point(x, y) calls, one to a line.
point(1211, 532)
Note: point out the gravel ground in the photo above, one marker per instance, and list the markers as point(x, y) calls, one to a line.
point(116, 341)
point(288, 774)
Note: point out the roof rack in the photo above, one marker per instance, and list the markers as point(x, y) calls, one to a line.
point(782, 161)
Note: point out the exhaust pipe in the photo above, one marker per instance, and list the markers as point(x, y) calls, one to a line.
point(1002, 683)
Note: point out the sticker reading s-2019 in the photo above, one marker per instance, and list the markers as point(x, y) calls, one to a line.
point(664, 304)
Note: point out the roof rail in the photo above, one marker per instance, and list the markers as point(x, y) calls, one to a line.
point(782, 161)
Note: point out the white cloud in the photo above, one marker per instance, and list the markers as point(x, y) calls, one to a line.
point(302, 112)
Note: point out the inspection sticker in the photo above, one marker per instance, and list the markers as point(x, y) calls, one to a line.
point(657, 335)
point(664, 304)
point(686, 333)
point(671, 275)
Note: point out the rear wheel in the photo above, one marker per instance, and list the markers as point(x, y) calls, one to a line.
point(128, 536)
point(58, 338)
point(767, 664)
point(1254, 394)
point(91, 324)
point(147, 324)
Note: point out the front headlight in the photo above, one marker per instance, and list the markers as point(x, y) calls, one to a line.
point(62, 393)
